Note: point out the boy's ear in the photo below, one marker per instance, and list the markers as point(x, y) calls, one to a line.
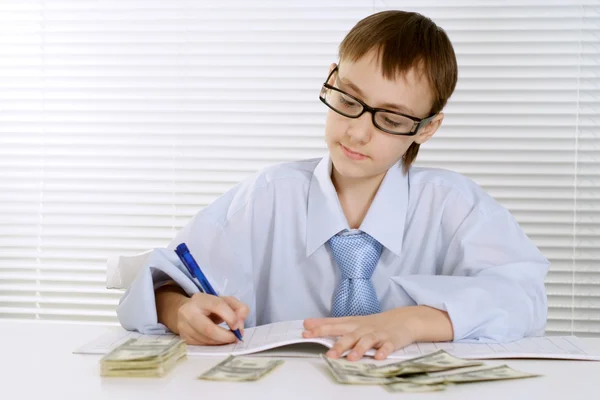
point(428, 131)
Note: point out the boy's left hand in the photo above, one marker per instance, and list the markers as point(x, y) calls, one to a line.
point(387, 331)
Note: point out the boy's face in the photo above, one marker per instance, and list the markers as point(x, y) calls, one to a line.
point(360, 150)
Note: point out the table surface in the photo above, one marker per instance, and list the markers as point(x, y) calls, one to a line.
point(37, 362)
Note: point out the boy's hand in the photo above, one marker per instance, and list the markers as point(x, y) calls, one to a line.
point(198, 318)
point(387, 331)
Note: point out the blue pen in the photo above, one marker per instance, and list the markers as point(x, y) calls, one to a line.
point(188, 260)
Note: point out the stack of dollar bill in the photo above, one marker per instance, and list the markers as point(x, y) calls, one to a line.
point(144, 357)
point(240, 369)
point(432, 372)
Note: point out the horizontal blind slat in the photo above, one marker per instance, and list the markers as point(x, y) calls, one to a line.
point(111, 133)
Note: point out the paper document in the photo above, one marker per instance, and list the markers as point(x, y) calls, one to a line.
point(279, 334)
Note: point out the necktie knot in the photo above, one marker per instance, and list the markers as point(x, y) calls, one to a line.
point(357, 256)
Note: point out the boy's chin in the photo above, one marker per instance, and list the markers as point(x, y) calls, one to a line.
point(352, 169)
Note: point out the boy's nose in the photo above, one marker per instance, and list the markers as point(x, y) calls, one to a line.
point(360, 129)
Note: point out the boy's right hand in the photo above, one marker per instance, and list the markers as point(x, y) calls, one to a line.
point(199, 316)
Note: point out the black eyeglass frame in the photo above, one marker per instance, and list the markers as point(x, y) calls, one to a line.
point(418, 122)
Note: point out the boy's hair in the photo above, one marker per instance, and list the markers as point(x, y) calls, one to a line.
point(403, 40)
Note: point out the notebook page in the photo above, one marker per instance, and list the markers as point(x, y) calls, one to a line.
point(256, 339)
point(280, 334)
point(548, 347)
point(261, 338)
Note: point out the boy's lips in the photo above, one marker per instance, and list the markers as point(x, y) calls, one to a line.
point(352, 154)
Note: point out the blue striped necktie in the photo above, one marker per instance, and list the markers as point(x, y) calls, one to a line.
point(356, 255)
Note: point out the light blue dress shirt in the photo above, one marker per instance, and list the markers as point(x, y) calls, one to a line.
point(446, 244)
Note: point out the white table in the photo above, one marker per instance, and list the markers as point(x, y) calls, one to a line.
point(37, 363)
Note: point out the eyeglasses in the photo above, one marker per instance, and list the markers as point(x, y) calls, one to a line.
point(386, 120)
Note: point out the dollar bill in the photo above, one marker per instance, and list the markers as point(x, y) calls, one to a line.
point(349, 367)
point(143, 356)
point(354, 374)
point(157, 370)
point(473, 375)
point(438, 361)
point(433, 362)
point(144, 349)
point(421, 374)
point(411, 387)
point(240, 369)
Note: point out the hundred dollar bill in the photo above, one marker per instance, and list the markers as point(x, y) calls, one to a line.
point(433, 362)
point(240, 369)
point(474, 375)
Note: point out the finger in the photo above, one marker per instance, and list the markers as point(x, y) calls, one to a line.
point(198, 340)
point(330, 330)
point(206, 327)
point(219, 307)
point(364, 344)
point(344, 343)
point(192, 337)
point(384, 350)
point(241, 310)
point(311, 323)
point(210, 342)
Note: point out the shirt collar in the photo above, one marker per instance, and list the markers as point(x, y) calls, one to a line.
point(384, 221)
point(325, 215)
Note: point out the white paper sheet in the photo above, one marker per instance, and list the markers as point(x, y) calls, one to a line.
point(279, 334)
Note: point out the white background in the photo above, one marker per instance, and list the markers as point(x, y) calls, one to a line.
point(120, 119)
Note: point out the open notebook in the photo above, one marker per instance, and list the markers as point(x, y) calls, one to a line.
point(281, 335)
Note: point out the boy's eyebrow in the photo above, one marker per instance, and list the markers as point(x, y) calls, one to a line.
point(388, 106)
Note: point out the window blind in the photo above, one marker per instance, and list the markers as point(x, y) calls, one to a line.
point(119, 120)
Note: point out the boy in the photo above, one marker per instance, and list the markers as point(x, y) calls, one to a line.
point(384, 254)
